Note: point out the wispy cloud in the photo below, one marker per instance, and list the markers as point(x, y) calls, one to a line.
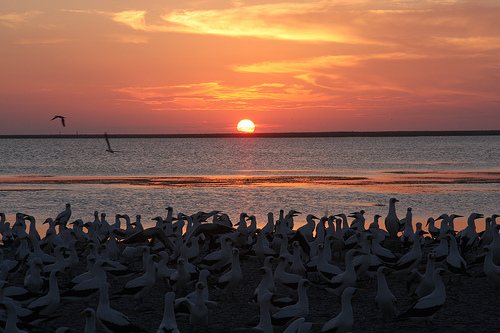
point(217, 96)
point(133, 18)
point(41, 41)
point(476, 44)
point(315, 63)
point(129, 38)
point(15, 20)
point(353, 22)
point(286, 21)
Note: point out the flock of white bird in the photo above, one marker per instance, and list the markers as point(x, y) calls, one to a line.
point(182, 252)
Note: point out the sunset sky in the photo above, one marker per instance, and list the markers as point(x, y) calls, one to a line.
point(290, 66)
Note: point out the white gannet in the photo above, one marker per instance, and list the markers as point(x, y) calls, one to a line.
point(199, 310)
point(297, 266)
point(179, 279)
point(46, 304)
point(363, 262)
point(111, 320)
point(431, 227)
point(163, 272)
point(65, 214)
point(14, 265)
point(495, 243)
point(385, 300)
point(90, 320)
point(32, 229)
point(408, 235)
point(234, 277)
point(88, 273)
point(261, 247)
point(307, 230)
point(384, 254)
point(241, 235)
point(486, 236)
point(345, 319)
point(11, 321)
point(326, 270)
point(266, 285)
point(468, 238)
point(310, 249)
point(299, 309)
point(441, 251)
point(269, 227)
point(60, 265)
point(63, 120)
point(23, 253)
point(338, 242)
point(37, 251)
point(183, 305)
point(288, 219)
point(265, 324)
point(346, 279)
point(391, 220)
point(203, 277)
point(284, 279)
point(413, 257)
point(216, 260)
point(80, 234)
point(33, 280)
point(84, 289)
point(297, 325)
point(375, 230)
point(491, 270)
point(168, 323)
point(426, 307)
point(426, 285)
point(454, 262)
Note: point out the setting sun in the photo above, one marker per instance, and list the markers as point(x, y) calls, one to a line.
point(246, 125)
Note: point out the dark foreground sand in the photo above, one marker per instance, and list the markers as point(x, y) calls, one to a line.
point(472, 305)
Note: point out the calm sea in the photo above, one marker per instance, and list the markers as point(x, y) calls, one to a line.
point(389, 158)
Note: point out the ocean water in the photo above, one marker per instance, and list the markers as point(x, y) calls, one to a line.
point(391, 159)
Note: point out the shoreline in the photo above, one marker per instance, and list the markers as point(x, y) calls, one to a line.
point(378, 179)
point(261, 135)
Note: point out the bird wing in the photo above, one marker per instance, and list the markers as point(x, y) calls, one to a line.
point(107, 140)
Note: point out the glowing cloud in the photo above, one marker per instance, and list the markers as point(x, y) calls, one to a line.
point(14, 20)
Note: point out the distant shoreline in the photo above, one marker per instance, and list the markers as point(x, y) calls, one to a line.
point(262, 135)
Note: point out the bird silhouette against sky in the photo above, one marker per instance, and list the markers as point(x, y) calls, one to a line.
point(63, 121)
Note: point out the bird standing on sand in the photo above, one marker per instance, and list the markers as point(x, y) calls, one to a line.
point(391, 220)
point(385, 300)
point(345, 320)
point(65, 214)
point(168, 323)
point(63, 121)
point(111, 320)
point(426, 307)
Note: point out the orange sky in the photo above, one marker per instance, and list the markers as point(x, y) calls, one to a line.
point(201, 66)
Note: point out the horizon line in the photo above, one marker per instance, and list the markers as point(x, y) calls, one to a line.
point(263, 135)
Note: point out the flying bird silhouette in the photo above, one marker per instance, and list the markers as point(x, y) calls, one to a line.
point(62, 120)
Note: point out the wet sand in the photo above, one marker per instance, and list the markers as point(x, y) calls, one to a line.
point(379, 181)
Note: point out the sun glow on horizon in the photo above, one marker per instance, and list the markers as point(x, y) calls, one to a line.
point(246, 126)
